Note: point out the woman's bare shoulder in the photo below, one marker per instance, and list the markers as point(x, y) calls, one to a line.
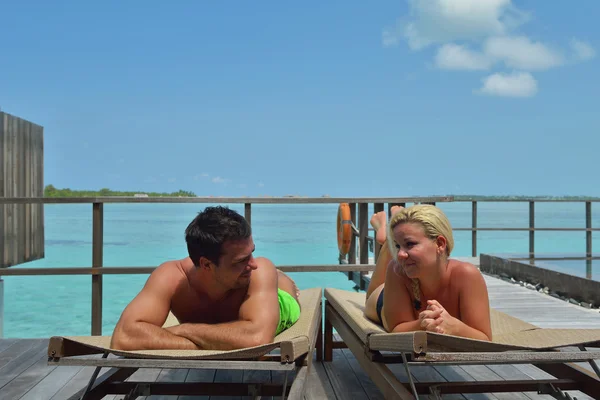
point(461, 270)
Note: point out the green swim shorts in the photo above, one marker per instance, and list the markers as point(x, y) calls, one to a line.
point(289, 311)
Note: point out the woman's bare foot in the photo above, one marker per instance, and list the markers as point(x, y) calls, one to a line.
point(379, 223)
point(395, 210)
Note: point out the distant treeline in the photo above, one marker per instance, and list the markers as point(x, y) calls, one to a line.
point(51, 191)
point(479, 197)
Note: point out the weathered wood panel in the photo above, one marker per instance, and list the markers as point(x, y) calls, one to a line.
point(21, 175)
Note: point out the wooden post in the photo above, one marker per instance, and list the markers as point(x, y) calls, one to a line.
point(474, 231)
point(588, 239)
point(248, 212)
point(97, 243)
point(352, 252)
point(328, 336)
point(532, 232)
point(363, 230)
point(1, 307)
point(377, 207)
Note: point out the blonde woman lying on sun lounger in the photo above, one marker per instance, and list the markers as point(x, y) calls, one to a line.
point(424, 289)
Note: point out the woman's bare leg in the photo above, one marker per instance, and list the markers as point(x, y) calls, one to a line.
point(379, 223)
point(377, 283)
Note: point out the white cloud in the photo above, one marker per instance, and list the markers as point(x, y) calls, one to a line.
point(515, 84)
point(242, 185)
point(453, 56)
point(444, 21)
point(218, 179)
point(515, 52)
point(479, 35)
point(522, 53)
point(260, 184)
point(172, 180)
point(200, 176)
point(582, 51)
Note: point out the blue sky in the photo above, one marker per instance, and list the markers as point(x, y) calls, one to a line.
point(346, 98)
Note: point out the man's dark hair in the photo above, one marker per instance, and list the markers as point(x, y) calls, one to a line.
point(211, 228)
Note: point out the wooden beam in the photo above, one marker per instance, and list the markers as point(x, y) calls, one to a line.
point(235, 200)
point(148, 270)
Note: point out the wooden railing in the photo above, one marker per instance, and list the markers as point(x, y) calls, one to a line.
point(354, 267)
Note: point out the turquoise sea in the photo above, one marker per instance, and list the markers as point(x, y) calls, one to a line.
point(149, 234)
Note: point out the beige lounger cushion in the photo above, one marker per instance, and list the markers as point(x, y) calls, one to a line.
point(508, 333)
point(294, 341)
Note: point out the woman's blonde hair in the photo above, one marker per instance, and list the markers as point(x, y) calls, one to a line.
point(431, 218)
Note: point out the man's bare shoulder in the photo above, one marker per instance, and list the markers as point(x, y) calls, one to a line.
point(264, 274)
point(170, 273)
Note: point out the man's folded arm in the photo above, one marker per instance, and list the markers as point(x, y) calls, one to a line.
point(140, 325)
point(258, 318)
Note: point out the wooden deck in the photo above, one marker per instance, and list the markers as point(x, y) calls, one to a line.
point(24, 373)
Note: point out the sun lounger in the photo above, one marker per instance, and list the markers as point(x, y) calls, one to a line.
point(514, 342)
point(291, 350)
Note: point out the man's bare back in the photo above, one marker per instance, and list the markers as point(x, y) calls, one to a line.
point(223, 297)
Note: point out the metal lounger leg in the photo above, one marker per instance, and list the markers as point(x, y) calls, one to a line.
point(93, 378)
point(435, 392)
point(410, 379)
point(554, 392)
point(285, 379)
point(592, 362)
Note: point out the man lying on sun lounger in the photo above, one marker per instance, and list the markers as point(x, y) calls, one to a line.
point(223, 297)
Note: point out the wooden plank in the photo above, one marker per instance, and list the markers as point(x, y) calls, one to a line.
point(253, 376)
point(21, 384)
point(27, 167)
point(457, 374)
point(371, 390)
point(142, 375)
point(14, 187)
point(536, 373)
point(51, 384)
point(318, 385)
point(14, 352)
point(28, 354)
point(424, 374)
point(343, 379)
point(168, 375)
point(78, 383)
point(381, 375)
point(226, 376)
point(6, 343)
point(484, 373)
point(537, 308)
point(8, 232)
point(37, 190)
point(510, 372)
point(199, 375)
point(24, 240)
